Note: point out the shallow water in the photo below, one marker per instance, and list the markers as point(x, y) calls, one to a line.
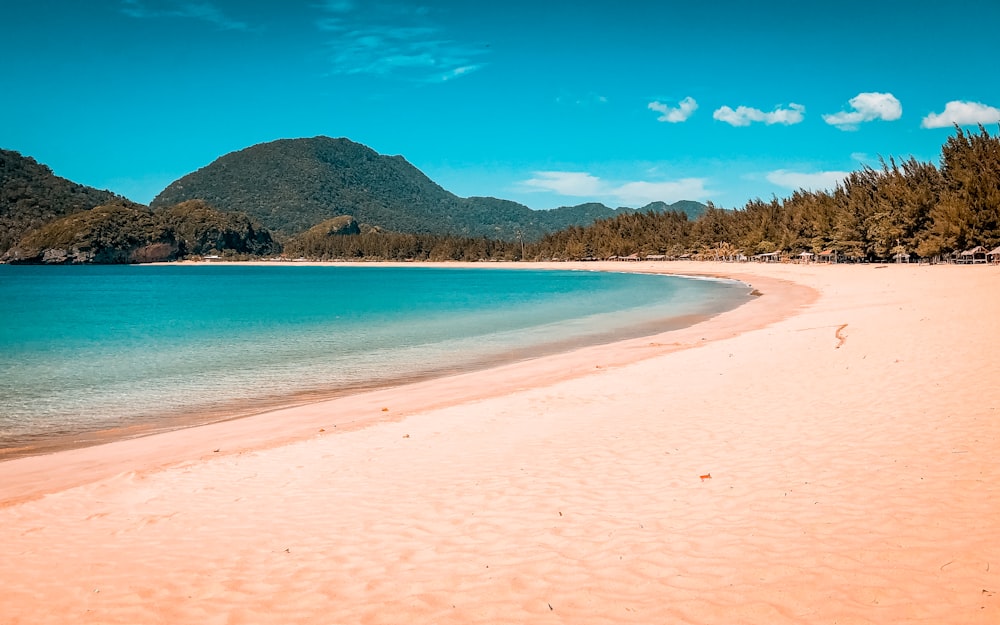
point(95, 348)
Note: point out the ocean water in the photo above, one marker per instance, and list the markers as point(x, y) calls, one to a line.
point(104, 348)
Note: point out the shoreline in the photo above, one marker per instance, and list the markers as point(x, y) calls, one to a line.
point(824, 453)
point(28, 479)
point(228, 410)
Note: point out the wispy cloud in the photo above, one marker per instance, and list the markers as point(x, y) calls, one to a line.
point(812, 181)
point(394, 40)
point(962, 113)
point(867, 107)
point(744, 115)
point(680, 113)
point(631, 193)
point(203, 11)
point(459, 71)
point(641, 193)
point(573, 183)
point(590, 99)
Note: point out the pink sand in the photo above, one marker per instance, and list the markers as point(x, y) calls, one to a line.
point(849, 419)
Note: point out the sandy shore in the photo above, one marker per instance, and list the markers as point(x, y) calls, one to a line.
point(849, 420)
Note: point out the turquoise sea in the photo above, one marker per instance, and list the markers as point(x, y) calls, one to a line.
point(92, 349)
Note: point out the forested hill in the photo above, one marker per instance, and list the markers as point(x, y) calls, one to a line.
point(290, 185)
point(126, 232)
point(31, 195)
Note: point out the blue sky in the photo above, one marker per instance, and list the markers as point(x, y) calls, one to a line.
point(545, 103)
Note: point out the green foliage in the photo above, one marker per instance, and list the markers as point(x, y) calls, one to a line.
point(902, 207)
point(968, 213)
point(31, 195)
point(639, 233)
point(125, 232)
point(110, 233)
point(345, 224)
point(342, 239)
point(200, 229)
point(307, 188)
point(291, 185)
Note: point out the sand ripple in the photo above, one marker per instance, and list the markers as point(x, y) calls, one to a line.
point(850, 483)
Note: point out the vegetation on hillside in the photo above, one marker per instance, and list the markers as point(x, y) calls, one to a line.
point(903, 207)
point(199, 230)
point(31, 195)
point(291, 185)
point(111, 233)
point(126, 232)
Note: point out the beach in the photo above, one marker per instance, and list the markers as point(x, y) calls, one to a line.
point(826, 453)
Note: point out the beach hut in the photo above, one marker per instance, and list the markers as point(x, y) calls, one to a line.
point(806, 257)
point(769, 257)
point(827, 256)
point(901, 257)
point(974, 256)
point(994, 255)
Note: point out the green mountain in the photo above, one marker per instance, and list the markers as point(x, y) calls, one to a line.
point(291, 185)
point(31, 195)
point(303, 189)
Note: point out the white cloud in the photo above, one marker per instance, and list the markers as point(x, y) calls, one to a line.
point(744, 115)
point(816, 181)
point(681, 113)
point(867, 107)
point(962, 113)
point(634, 193)
point(204, 11)
point(640, 193)
point(574, 183)
point(460, 71)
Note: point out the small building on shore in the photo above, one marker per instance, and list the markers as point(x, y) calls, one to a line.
point(974, 256)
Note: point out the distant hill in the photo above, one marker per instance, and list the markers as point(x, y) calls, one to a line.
point(291, 185)
point(31, 195)
point(125, 232)
point(307, 188)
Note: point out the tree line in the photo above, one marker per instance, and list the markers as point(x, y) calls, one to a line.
point(901, 207)
point(373, 244)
